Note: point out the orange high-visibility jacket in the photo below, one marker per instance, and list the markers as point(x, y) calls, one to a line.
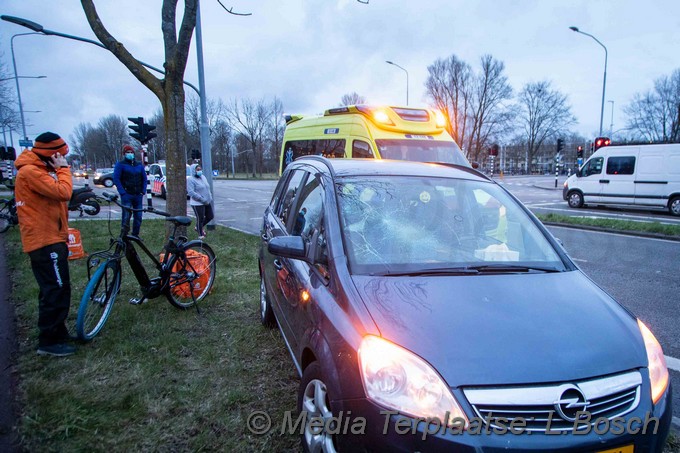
point(42, 197)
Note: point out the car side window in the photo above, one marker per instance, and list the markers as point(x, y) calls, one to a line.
point(623, 165)
point(361, 149)
point(309, 220)
point(593, 167)
point(290, 195)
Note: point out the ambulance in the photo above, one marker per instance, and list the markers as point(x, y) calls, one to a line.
point(371, 132)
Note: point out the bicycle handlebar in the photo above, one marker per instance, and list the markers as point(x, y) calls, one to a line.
point(113, 198)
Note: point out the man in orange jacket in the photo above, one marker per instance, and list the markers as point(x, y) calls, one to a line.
point(42, 190)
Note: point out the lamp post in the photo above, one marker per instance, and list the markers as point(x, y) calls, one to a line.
point(23, 77)
point(604, 79)
point(611, 124)
point(394, 64)
point(16, 79)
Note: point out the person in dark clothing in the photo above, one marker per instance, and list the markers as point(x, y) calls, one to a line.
point(129, 176)
point(43, 189)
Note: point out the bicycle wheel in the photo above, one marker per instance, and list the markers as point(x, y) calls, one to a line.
point(192, 274)
point(97, 301)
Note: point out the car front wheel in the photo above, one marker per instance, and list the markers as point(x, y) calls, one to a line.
point(575, 200)
point(108, 183)
point(674, 206)
point(314, 400)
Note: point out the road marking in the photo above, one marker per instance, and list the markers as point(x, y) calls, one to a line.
point(628, 236)
point(255, 218)
point(672, 363)
point(580, 260)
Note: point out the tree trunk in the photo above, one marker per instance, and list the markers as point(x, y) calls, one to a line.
point(173, 114)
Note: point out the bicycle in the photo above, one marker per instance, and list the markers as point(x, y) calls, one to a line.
point(8, 214)
point(186, 273)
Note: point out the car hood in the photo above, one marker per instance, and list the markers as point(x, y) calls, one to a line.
point(506, 329)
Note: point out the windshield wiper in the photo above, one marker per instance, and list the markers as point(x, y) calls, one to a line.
point(510, 268)
point(434, 271)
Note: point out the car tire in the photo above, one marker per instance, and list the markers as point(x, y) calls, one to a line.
point(108, 182)
point(266, 314)
point(575, 199)
point(164, 194)
point(314, 399)
point(674, 206)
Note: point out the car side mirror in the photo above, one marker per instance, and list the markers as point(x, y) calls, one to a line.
point(474, 164)
point(579, 173)
point(287, 247)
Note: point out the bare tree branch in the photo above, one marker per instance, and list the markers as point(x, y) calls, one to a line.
point(231, 10)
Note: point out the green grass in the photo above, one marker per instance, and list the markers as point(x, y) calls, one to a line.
point(613, 224)
point(156, 378)
point(265, 176)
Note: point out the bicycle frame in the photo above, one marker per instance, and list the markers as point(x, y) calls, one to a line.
point(125, 246)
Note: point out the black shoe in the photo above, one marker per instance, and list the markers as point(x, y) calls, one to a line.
point(57, 350)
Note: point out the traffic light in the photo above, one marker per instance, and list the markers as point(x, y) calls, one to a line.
point(7, 153)
point(579, 152)
point(147, 132)
point(142, 132)
point(195, 154)
point(493, 151)
point(602, 141)
point(560, 145)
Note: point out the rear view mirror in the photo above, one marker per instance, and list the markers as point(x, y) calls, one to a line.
point(287, 247)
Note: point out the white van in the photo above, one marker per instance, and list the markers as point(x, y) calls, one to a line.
point(640, 175)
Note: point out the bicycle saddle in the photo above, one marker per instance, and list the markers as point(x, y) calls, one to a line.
point(179, 220)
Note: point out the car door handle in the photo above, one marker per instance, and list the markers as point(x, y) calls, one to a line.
point(604, 181)
point(278, 265)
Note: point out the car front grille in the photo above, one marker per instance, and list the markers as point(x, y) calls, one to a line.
point(555, 407)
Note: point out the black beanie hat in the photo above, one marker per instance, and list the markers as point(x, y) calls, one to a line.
point(49, 143)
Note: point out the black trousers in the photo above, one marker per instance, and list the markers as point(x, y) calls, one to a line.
point(204, 214)
point(50, 267)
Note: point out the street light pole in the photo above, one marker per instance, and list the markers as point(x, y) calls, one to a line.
point(394, 64)
point(604, 79)
point(16, 79)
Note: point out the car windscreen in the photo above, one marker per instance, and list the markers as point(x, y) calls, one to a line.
point(402, 224)
point(417, 150)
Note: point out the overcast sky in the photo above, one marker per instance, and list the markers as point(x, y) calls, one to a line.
point(311, 52)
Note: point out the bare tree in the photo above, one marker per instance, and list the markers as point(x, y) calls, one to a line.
point(250, 118)
point(169, 90)
point(490, 115)
point(352, 98)
point(544, 114)
point(115, 132)
point(9, 118)
point(449, 85)
point(156, 147)
point(277, 127)
point(655, 115)
point(476, 104)
point(90, 143)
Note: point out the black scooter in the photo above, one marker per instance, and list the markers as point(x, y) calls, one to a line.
point(84, 200)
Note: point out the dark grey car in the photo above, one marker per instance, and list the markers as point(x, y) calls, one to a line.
point(428, 309)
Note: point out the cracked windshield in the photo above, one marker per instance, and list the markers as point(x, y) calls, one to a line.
point(410, 224)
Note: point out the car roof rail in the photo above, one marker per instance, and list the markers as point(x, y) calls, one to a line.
point(463, 168)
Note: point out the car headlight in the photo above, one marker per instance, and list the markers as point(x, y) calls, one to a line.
point(400, 380)
point(658, 372)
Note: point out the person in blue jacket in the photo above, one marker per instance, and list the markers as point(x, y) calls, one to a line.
point(129, 177)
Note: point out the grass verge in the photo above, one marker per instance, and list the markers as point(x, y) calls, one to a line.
point(613, 224)
point(156, 378)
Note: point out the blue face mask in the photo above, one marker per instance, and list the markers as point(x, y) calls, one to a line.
point(130, 156)
point(199, 172)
